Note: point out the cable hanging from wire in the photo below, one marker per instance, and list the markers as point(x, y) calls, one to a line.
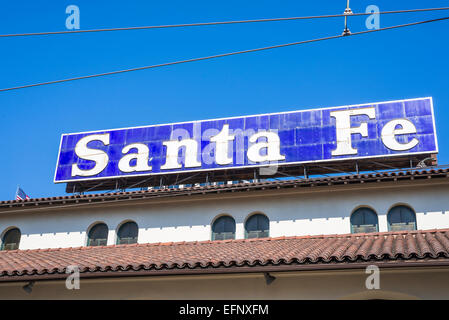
point(218, 23)
point(223, 55)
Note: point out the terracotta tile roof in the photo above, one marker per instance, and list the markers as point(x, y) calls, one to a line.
point(269, 254)
point(376, 177)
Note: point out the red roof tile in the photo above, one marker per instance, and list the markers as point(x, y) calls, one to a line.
point(335, 250)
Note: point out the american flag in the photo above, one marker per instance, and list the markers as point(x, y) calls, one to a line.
point(21, 195)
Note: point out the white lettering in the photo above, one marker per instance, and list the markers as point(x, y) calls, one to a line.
point(191, 154)
point(192, 310)
point(344, 130)
point(252, 309)
point(142, 158)
point(273, 147)
point(222, 140)
point(98, 156)
point(389, 133)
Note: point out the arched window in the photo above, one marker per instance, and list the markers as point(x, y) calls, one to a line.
point(401, 218)
point(11, 239)
point(257, 226)
point(223, 228)
point(98, 235)
point(364, 220)
point(127, 233)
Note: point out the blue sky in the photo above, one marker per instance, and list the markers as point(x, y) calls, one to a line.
point(390, 65)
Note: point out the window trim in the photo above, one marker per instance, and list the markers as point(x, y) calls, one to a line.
point(216, 219)
point(401, 205)
point(117, 238)
point(4, 234)
point(93, 225)
point(357, 209)
point(249, 217)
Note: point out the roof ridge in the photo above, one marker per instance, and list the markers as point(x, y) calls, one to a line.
point(218, 242)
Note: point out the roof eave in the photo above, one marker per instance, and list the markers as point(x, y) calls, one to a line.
point(440, 262)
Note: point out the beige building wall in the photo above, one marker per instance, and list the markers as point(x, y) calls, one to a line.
point(403, 283)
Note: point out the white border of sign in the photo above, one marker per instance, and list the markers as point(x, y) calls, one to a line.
point(252, 166)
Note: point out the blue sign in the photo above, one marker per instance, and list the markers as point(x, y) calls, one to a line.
point(385, 129)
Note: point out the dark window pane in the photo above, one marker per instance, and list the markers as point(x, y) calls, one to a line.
point(97, 242)
point(127, 233)
point(364, 220)
point(223, 235)
point(401, 218)
point(364, 229)
point(257, 234)
point(223, 228)
point(11, 239)
point(257, 226)
point(98, 235)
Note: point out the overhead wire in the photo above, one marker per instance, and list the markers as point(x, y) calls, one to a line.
point(218, 23)
point(222, 55)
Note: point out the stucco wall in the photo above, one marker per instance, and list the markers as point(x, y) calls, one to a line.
point(323, 210)
point(398, 284)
